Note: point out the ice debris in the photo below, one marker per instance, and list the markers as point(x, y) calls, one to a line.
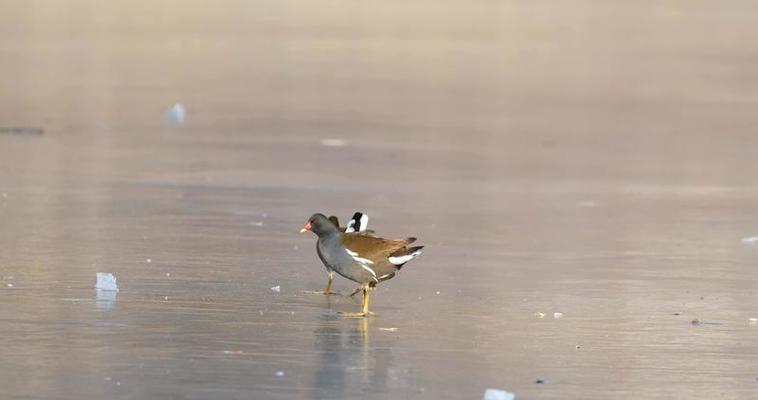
point(333, 142)
point(498, 394)
point(276, 289)
point(280, 373)
point(106, 281)
point(176, 114)
point(752, 321)
point(750, 240)
point(558, 315)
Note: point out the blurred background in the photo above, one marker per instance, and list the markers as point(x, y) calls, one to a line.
point(582, 174)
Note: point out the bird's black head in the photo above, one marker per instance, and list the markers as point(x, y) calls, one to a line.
point(319, 224)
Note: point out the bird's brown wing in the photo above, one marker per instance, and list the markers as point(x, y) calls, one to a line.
point(372, 248)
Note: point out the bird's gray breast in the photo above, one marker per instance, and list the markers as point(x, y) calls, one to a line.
point(335, 257)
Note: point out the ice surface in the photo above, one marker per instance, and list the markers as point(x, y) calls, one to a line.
point(106, 281)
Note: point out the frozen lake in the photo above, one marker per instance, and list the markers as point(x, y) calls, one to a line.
point(594, 160)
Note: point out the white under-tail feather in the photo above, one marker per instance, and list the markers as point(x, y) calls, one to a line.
point(400, 260)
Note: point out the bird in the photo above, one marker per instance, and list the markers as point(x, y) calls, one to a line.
point(365, 259)
point(357, 223)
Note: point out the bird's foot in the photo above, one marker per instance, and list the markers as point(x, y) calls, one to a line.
point(324, 292)
point(355, 314)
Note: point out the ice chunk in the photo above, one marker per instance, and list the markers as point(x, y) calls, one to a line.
point(333, 142)
point(752, 321)
point(176, 114)
point(498, 394)
point(751, 240)
point(276, 289)
point(558, 315)
point(280, 373)
point(106, 281)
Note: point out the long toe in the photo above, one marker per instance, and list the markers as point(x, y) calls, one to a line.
point(323, 292)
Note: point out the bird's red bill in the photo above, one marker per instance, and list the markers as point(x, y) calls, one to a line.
point(306, 228)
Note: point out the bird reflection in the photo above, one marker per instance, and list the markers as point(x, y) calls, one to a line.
point(348, 362)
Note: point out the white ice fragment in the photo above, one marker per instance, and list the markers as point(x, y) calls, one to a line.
point(388, 329)
point(280, 373)
point(333, 142)
point(258, 223)
point(168, 274)
point(276, 289)
point(498, 394)
point(752, 321)
point(438, 292)
point(751, 240)
point(148, 260)
point(106, 281)
point(558, 315)
point(10, 285)
point(176, 114)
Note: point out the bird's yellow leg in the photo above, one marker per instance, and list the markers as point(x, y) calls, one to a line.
point(364, 305)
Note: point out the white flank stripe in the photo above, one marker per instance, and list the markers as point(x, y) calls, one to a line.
point(369, 270)
point(403, 259)
point(358, 258)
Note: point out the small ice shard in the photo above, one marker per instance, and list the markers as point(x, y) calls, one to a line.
point(149, 260)
point(558, 315)
point(750, 240)
point(333, 142)
point(437, 292)
point(752, 321)
point(9, 285)
point(258, 223)
point(106, 281)
point(498, 394)
point(388, 329)
point(176, 114)
point(280, 373)
point(276, 289)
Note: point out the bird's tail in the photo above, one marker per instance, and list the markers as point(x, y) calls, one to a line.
point(402, 256)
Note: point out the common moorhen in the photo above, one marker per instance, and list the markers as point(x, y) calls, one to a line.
point(362, 258)
point(358, 223)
